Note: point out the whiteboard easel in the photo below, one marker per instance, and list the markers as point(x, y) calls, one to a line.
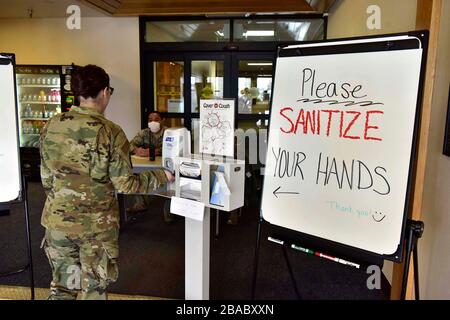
point(12, 184)
point(341, 140)
point(307, 221)
point(10, 176)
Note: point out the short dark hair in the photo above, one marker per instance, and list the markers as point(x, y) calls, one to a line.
point(157, 112)
point(89, 80)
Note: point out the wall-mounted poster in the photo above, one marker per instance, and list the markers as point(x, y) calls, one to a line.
point(217, 127)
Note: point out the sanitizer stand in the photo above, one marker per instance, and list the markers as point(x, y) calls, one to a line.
point(195, 179)
point(197, 235)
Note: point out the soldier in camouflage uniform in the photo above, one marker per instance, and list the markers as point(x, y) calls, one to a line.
point(140, 144)
point(84, 159)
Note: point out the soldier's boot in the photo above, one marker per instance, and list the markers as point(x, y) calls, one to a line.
point(61, 293)
point(138, 204)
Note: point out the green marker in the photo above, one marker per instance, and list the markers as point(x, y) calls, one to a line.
point(293, 246)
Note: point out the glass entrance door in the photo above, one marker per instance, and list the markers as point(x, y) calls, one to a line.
point(174, 86)
point(254, 86)
point(252, 76)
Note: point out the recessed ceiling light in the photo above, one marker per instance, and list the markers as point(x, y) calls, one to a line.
point(259, 33)
point(259, 63)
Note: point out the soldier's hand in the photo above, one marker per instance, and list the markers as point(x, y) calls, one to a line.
point(170, 176)
point(141, 152)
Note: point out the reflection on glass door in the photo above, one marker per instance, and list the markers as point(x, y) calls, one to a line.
point(168, 83)
point(254, 86)
point(206, 81)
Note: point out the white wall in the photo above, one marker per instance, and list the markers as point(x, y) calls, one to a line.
point(348, 17)
point(112, 43)
point(434, 247)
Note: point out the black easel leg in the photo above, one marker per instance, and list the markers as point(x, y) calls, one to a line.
point(415, 231)
point(27, 222)
point(409, 245)
point(255, 265)
point(122, 211)
point(416, 270)
point(290, 271)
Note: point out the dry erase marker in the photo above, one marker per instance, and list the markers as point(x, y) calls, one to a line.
point(348, 263)
point(327, 257)
point(293, 246)
point(275, 240)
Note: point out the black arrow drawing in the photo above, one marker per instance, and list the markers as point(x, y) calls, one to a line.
point(275, 192)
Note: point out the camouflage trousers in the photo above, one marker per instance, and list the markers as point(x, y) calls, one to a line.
point(87, 263)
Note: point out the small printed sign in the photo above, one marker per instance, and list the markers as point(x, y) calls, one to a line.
point(217, 127)
point(187, 208)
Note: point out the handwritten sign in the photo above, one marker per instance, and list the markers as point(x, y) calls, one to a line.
point(10, 183)
point(339, 150)
point(187, 208)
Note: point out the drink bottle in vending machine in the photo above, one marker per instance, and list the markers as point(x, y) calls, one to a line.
point(66, 96)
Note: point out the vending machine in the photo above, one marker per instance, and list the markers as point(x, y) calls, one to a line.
point(42, 92)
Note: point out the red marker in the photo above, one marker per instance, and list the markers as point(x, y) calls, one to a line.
point(327, 257)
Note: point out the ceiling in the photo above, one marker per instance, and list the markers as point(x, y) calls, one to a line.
point(212, 8)
point(208, 7)
point(43, 9)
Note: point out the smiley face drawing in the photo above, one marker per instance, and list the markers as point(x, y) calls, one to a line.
point(378, 216)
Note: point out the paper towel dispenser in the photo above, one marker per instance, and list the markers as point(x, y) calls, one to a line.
point(218, 182)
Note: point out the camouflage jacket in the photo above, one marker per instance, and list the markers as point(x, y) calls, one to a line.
point(145, 136)
point(84, 159)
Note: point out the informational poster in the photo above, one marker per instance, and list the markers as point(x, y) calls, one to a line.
point(10, 181)
point(340, 145)
point(175, 105)
point(217, 127)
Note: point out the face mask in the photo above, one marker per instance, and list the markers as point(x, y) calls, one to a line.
point(154, 126)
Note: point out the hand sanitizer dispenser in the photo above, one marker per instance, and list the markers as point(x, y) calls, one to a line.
point(176, 143)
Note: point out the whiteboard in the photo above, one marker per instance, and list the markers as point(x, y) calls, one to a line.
point(217, 127)
point(10, 181)
point(340, 141)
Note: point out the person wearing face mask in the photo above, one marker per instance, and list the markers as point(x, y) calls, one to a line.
point(153, 135)
point(140, 146)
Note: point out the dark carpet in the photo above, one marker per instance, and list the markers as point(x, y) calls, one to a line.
point(152, 259)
